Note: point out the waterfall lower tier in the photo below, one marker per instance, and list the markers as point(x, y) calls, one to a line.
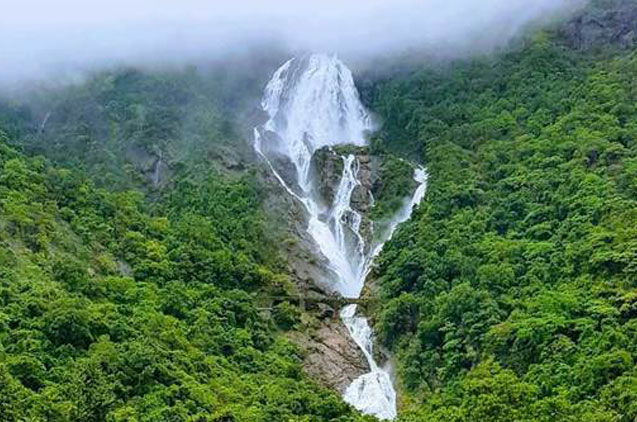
point(372, 393)
point(312, 102)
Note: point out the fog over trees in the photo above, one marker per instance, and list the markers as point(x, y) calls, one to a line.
point(41, 38)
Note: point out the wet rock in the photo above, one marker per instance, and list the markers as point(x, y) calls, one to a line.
point(326, 170)
point(332, 358)
point(361, 196)
point(281, 163)
point(364, 171)
point(286, 169)
point(361, 201)
point(306, 266)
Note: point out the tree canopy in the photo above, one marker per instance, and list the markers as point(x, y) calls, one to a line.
point(511, 293)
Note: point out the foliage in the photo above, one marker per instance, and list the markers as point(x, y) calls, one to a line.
point(120, 123)
point(511, 293)
point(394, 185)
point(286, 315)
point(109, 312)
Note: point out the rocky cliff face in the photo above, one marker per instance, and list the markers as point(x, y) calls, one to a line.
point(331, 356)
point(362, 198)
point(326, 169)
point(607, 22)
point(307, 271)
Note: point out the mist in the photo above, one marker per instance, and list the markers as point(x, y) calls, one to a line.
point(43, 39)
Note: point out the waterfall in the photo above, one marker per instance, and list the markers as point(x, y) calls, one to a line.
point(311, 103)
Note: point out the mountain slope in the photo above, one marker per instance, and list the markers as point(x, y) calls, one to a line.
point(511, 294)
point(111, 313)
point(135, 257)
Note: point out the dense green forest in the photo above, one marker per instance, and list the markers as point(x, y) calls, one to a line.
point(134, 242)
point(120, 305)
point(512, 293)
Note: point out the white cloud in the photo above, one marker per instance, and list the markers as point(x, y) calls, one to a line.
point(38, 36)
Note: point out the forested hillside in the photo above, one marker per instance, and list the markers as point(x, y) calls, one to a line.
point(140, 239)
point(111, 311)
point(143, 128)
point(512, 295)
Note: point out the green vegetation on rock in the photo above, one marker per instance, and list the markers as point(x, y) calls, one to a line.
point(511, 295)
point(394, 184)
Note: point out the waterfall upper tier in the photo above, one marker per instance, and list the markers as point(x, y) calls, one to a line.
point(312, 102)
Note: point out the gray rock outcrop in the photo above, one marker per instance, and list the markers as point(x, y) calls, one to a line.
point(326, 170)
point(612, 22)
point(332, 358)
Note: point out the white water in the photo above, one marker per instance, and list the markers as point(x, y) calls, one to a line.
point(312, 102)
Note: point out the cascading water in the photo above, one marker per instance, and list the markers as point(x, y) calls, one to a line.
point(312, 102)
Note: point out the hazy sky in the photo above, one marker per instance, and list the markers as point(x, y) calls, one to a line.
point(38, 37)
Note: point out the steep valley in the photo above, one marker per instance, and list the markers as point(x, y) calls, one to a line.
point(276, 236)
